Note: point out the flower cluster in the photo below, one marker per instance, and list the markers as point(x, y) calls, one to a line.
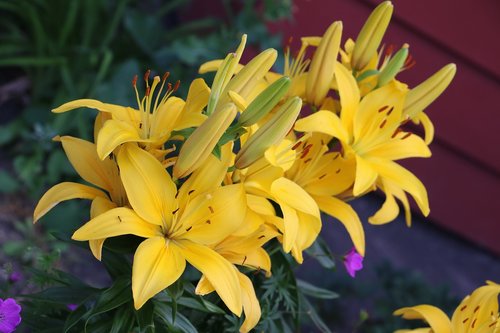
point(210, 179)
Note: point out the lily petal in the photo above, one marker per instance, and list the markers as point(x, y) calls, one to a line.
point(347, 216)
point(210, 218)
point(251, 305)
point(91, 104)
point(404, 179)
point(149, 187)
point(114, 133)
point(349, 95)
point(291, 226)
point(309, 228)
point(157, 264)
point(218, 271)
point(389, 210)
point(365, 176)
point(399, 148)
point(83, 157)
point(290, 193)
point(165, 118)
point(325, 122)
point(62, 192)
point(98, 207)
point(116, 222)
point(436, 318)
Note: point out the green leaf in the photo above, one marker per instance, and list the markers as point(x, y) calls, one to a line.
point(8, 183)
point(123, 320)
point(145, 316)
point(164, 313)
point(319, 250)
point(316, 292)
point(63, 295)
point(116, 264)
point(81, 313)
point(313, 315)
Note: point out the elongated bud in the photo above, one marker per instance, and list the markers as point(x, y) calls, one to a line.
point(393, 67)
point(269, 134)
point(244, 82)
point(322, 67)
point(201, 143)
point(218, 84)
point(265, 102)
point(426, 92)
point(371, 35)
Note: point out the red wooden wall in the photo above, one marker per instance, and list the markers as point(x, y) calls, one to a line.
point(463, 176)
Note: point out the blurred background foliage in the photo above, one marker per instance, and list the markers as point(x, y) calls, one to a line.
point(53, 51)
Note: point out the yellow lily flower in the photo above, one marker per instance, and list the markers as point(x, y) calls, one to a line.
point(152, 123)
point(477, 313)
point(176, 230)
point(369, 131)
point(102, 173)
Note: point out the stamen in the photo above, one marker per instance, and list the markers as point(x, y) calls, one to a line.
point(146, 77)
point(134, 81)
point(177, 84)
point(165, 76)
point(406, 136)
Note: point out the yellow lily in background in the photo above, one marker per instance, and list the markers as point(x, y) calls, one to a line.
point(173, 233)
point(369, 131)
point(477, 313)
point(152, 123)
point(102, 173)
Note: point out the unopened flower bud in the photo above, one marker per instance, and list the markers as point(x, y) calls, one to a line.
point(371, 35)
point(264, 102)
point(426, 92)
point(320, 75)
point(269, 134)
point(393, 67)
point(201, 143)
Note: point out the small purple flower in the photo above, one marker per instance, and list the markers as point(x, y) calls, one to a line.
point(353, 262)
point(15, 277)
point(72, 307)
point(9, 315)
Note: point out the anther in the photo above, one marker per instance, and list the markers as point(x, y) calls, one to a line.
point(169, 87)
point(382, 109)
point(146, 75)
point(297, 145)
point(406, 136)
point(177, 84)
point(165, 76)
point(148, 90)
point(134, 81)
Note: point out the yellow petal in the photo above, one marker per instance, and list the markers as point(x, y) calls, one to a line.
point(365, 176)
point(251, 305)
point(325, 122)
point(218, 271)
point(149, 187)
point(291, 226)
point(116, 222)
point(115, 133)
point(423, 119)
point(436, 318)
point(349, 95)
point(62, 192)
point(338, 176)
point(91, 104)
point(347, 216)
point(83, 157)
point(260, 205)
point(98, 207)
point(197, 98)
point(157, 264)
point(399, 148)
point(309, 228)
point(389, 210)
point(257, 259)
point(405, 180)
point(204, 287)
point(165, 118)
point(288, 192)
point(210, 218)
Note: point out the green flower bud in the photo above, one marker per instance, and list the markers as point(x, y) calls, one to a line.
point(393, 67)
